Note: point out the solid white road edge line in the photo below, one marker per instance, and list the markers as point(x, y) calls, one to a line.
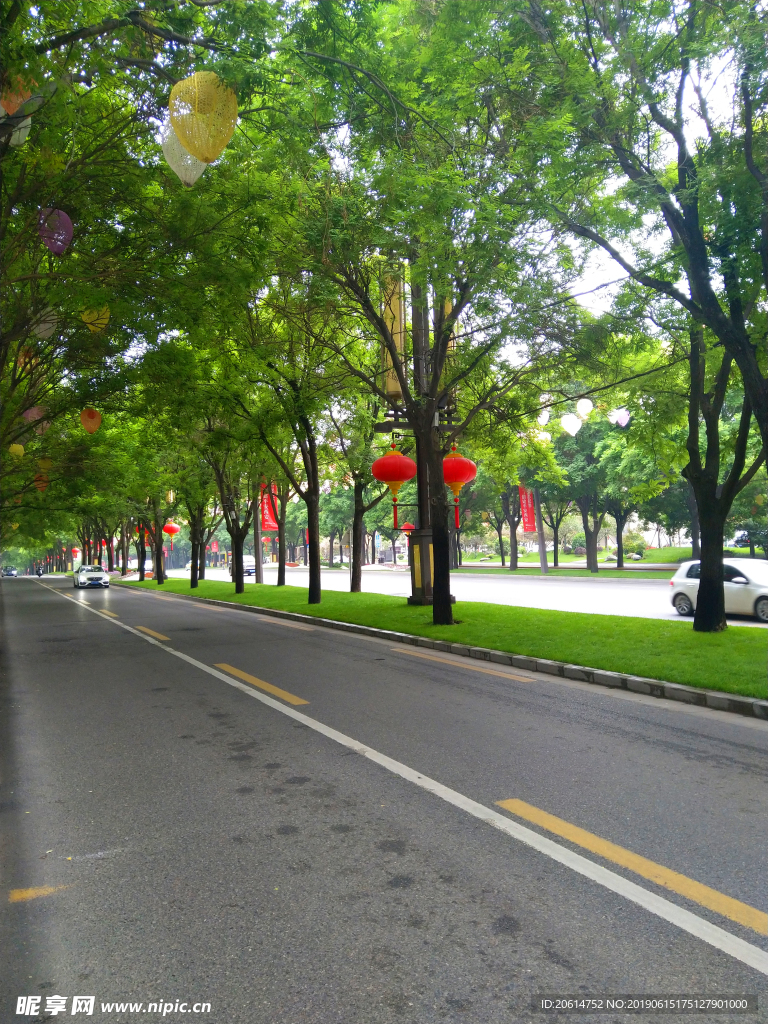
point(752, 956)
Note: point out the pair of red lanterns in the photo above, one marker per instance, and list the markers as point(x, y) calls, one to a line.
point(394, 469)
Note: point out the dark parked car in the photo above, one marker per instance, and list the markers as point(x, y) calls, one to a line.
point(10, 570)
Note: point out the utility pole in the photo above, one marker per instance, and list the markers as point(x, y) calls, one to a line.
point(540, 532)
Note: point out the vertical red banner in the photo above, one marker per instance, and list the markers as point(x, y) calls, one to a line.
point(269, 508)
point(528, 510)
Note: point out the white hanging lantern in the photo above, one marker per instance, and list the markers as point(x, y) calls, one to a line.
point(46, 324)
point(20, 132)
point(584, 407)
point(543, 436)
point(543, 418)
point(571, 424)
point(182, 163)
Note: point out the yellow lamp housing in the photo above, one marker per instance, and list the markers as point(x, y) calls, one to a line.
point(203, 112)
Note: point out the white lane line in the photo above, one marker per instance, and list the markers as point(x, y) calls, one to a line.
point(712, 934)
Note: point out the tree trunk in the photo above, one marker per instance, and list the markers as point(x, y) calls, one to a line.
point(695, 530)
point(110, 554)
point(619, 545)
point(159, 567)
point(442, 610)
point(590, 537)
point(556, 548)
point(710, 602)
point(123, 550)
point(313, 528)
point(620, 518)
point(330, 548)
point(142, 551)
point(237, 558)
point(588, 504)
point(500, 534)
point(258, 547)
point(356, 578)
point(281, 540)
point(195, 556)
point(201, 560)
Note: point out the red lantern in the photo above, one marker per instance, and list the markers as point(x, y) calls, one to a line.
point(41, 482)
point(457, 471)
point(394, 469)
point(90, 419)
point(171, 529)
point(75, 552)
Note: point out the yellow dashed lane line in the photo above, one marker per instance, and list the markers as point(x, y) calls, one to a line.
point(22, 895)
point(737, 911)
point(268, 687)
point(151, 632)
point(470, 667)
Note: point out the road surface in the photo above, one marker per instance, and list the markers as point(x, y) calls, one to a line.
point(647, 599)
point(294, 825)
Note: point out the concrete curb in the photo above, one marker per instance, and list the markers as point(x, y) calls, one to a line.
point(752, 707)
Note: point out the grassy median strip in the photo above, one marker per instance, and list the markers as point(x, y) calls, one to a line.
point(733, 661)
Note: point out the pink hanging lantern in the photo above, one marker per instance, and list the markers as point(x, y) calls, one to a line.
point(56, 230)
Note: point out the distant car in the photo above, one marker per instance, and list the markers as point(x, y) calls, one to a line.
point(91, 576)
point(745, 587)
point(249, 566)
point(10, 570)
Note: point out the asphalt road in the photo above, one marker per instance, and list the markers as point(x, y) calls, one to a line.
point(646, 599)
point(172, 833)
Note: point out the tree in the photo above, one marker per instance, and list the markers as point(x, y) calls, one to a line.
point(636, 81)
point(556, 506)
point(587, 480)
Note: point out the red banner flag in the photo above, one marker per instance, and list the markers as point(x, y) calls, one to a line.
point(269, 508)
point(528, 510)
point(215, 547)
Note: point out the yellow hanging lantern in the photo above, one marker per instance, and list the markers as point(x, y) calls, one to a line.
point(203, 113)
point(14, 526)
point(96, 319)
point(45, 464)
point(16, 450)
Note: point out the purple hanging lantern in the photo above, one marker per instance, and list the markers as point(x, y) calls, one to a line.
point(55, 228)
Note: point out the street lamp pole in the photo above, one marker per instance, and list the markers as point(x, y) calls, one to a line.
point(540, 532)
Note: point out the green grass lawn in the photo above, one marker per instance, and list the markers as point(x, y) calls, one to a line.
point(734, 661)
point(643, 574)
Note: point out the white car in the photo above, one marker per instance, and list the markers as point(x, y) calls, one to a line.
point(91, 576)
point(745, 587)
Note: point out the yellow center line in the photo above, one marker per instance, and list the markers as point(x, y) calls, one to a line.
point(469, 666)
point(151, 632)
point(22, 895)
point(282, 622)
point(113, 615)
point(274, 690)
point(737, 911)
